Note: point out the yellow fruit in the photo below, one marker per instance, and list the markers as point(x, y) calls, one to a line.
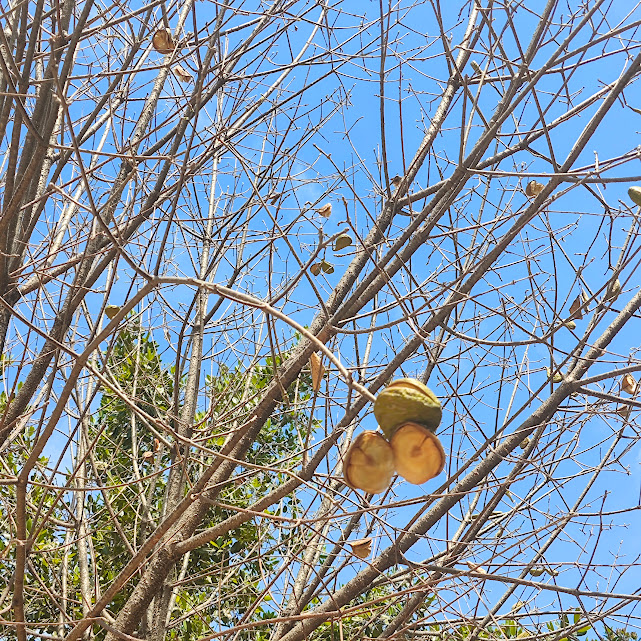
point(418, 454)
point(407, 400)
point(369, 463)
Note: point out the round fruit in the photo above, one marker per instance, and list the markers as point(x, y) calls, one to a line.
point(407, 400)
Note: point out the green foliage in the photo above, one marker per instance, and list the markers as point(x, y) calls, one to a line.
point(230, 567)
point(130, 469)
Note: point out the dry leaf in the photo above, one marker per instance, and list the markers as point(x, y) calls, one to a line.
point(533, 189)
point(328, 268)
point(147, 456)
point(156, 445)
point(635, 192)
point(344, 240)
point(325, 210)
point(318, 371)
point(111, 311)
point(575, 308)
point(163, 42)
point(182, 74)
point(476, 568)
point(361, 548)
point(315, 269)
point(624, 411)
point(628, 384)
point(557, 378)
point(614, 289)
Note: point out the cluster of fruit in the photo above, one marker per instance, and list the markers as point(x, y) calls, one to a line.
point(408, 414)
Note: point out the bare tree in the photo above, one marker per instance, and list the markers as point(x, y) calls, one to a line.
point(199, 198)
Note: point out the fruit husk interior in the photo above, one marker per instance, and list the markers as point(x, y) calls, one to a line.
point(418, 453)
point(369, 463)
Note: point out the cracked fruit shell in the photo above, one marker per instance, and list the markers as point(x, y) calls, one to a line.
point(369, 463)
point(418, 454)
point(407, 400)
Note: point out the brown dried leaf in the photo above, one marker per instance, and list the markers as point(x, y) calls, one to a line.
point(328, 268)
point(576, 310)
point(315, 269)
point(326, 210)
point(163, 42)
point(361, 548)
point(148, 456)
point(624, 411)
point(318, 370)
point(629, 384)
point(533, 189)
point(182, 74)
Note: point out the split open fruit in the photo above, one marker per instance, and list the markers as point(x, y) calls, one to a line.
point(408, 414)
point(369, 463)
point(418, 454)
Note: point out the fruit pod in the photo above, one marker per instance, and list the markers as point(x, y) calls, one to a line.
point(418, 453)
point(369, 463)
point(407, 401)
